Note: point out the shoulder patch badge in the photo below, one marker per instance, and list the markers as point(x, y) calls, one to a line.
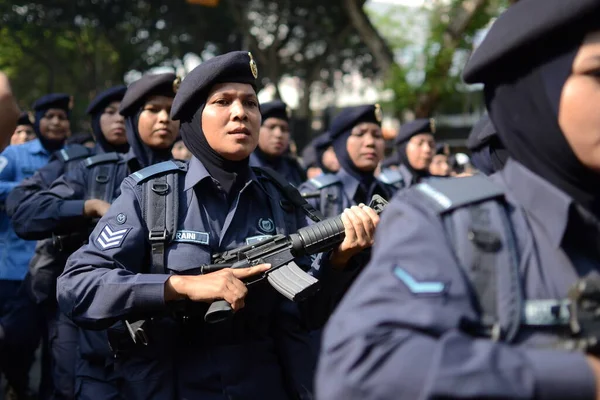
point(110, 238)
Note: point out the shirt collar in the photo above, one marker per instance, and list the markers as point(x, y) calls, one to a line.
point(545, 203)
point(198, 172)
point(407, 176)
point(36, 147)
point(349, 183)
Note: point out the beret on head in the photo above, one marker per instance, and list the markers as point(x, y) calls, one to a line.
point(483, 131)
point(322, 142)
point(412, 128)
point(233, 67)
point(349, 117)
point(106, 97)
point(24, 119)
point(275, 109)
point(148, 85)
point(53, 100)
point(522, 32)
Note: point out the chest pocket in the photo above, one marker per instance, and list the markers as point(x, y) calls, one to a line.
point(186, 258)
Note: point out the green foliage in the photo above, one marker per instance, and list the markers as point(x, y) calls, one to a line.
point(426, 77)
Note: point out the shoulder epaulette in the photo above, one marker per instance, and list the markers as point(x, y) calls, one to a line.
point(158, 169)
point(101, 159)
point(451, 193)
point(71, 153)
point(324, 180)
point(390, 176)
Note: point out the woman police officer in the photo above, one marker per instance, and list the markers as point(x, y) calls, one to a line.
point(421, 322)
point(223, 205)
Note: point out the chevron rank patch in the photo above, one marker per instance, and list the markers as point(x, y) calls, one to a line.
point(111, 238)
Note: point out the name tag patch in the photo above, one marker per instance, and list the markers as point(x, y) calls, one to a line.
point(256, 239)
point(191, 237)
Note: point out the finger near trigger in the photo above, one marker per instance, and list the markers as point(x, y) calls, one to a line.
point(348, 225)
point(357, 222)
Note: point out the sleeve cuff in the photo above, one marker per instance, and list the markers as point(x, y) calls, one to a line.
point(150, 292)
point(72, 208)
point(562, 375)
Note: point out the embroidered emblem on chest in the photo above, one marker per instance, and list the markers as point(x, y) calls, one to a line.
point(266, 225)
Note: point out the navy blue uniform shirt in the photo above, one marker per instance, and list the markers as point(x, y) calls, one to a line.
point(387, 341)
point(347, 188)
point(103, 283)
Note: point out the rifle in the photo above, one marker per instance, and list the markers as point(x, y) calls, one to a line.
point(280, 251)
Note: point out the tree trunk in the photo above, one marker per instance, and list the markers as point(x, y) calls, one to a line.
point(376, 44)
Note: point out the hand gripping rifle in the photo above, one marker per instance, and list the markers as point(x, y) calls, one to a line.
point(280, 251)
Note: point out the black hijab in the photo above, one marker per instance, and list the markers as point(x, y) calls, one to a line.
point(403, 158)
point(228, 173)
point(102, 145)
point(525, 112)
point(144, 154)
point(48, 144)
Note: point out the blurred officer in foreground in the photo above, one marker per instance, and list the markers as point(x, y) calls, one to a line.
point(24, 131)
point(488, 154)
point(274, 143)
point(439, 163)
point(358, 143)
point(466, 293)
point(17, 163)
point(143, 260)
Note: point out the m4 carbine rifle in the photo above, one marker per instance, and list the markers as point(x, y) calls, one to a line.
point(280, 251)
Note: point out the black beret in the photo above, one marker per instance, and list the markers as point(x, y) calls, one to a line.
point(412, 128)
point(106, 97)
point(275, 109)
point(323, 141)
point(349, 117)
point(525, 25)
point(24, 119)
point(148, 85)
point(481, 134)
point(234, 67)
point(53, 100)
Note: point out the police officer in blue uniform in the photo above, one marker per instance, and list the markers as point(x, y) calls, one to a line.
point(463, 296)
point(143, 259)
point(24, 131)
point(358, 143)
point(488, 154)
point(84, 193)
point(439, 165)
point(16, 164)
point(415, 148)
point(274, 142)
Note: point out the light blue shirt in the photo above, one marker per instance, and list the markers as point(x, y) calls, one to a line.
point(16, 163)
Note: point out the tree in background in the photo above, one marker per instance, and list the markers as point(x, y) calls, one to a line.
point(421, 51)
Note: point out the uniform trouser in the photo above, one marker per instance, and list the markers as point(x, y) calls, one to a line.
point(63, 348)
point(19, 318)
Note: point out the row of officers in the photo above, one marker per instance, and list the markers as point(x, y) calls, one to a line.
point(58, 189)
point(473, 288)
